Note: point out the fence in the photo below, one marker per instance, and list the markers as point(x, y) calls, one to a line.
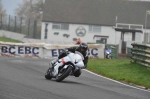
point(29, 27)
point(141, 54)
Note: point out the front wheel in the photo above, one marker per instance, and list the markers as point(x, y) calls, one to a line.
point(47, 74)
point(62, 75)
point(108, 56)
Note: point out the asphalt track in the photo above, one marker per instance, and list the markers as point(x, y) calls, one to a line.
point(23, 78)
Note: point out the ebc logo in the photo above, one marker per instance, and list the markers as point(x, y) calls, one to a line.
point(91, 52)
point(56, 53)
point(20, 50)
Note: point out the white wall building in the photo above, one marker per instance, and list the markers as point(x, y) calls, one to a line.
point(87, 33)
point(61, 33)
point(93, 21)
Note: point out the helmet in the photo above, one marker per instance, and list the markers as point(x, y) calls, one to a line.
point(83, 47)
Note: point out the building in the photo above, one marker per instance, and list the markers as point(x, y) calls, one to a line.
point(95, 21)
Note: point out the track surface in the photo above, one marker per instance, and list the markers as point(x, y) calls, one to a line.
point(23, 78)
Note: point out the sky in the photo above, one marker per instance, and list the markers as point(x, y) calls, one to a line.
point(10, 5)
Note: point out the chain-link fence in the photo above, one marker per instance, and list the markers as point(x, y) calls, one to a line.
point(29, 27)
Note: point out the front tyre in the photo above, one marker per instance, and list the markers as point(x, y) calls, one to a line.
point(108, 56)
point(64, 74)
point(47, 74)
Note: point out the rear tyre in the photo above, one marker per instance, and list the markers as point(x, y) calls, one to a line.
point(64, 74)
point(47, 74)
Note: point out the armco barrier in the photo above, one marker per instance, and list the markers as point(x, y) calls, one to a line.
point(129, 52)
point(141, 54)
point(42, 50)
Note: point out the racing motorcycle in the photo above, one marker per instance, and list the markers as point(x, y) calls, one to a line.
point(108, 53)
point(70, 68)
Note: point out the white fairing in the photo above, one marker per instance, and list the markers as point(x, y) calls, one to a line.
point(79, 61)
point(107, 52)
point(76, 59)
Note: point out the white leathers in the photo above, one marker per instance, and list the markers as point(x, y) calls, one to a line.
point(74, 58)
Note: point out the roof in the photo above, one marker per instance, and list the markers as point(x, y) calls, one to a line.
point(96, 12)
point(102, 36)
point(128, 30)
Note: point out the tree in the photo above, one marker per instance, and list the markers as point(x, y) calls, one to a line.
point(2, 16)
point(30, 13)
point(2, 11)
point(30, 9)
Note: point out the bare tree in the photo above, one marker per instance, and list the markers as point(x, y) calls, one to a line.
point(2, 10)
point(30, 13)
point(2, 16)
point(30, 9)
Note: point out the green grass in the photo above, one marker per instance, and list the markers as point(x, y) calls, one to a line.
point(4, 39)
point(121, 70)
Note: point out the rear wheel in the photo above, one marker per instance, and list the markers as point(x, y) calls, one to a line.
point(62, 75)
point(47, 74)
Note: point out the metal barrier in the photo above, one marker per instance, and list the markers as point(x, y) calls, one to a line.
point(129, 52)
point(141, 54)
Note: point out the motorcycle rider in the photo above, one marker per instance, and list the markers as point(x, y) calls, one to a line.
point(82, 48)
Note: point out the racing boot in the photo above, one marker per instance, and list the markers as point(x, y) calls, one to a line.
point(56, 68)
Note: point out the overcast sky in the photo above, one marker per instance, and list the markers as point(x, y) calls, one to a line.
point(10, 5)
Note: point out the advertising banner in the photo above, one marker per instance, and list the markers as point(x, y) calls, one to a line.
point(44, 50)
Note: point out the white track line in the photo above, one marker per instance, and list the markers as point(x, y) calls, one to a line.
point(117, 81)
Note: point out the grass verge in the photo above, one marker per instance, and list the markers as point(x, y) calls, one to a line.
point(4, 39)
point(121, 70)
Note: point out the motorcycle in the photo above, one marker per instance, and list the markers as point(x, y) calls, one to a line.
point(71, 68)
point(108, 54)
